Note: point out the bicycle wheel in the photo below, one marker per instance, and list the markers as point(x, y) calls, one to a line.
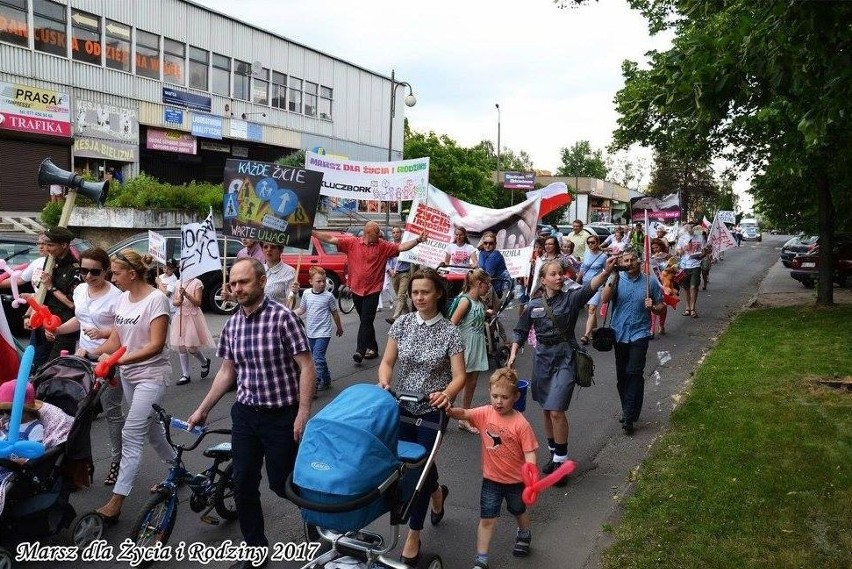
point(157, 520)
point(223, 499)
point(345, 300)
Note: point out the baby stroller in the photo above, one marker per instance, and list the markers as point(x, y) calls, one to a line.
point(496, 342)
point(352, 469)
point(37, 493)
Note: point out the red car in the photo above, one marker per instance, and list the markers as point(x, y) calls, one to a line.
point(323, 255)
point(805, 266)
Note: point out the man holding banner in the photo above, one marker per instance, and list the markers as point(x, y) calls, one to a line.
point(367, 257)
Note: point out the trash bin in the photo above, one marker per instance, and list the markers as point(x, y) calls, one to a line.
point(521, 403)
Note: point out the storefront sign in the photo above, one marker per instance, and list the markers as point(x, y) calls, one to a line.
point(171, 141)
point(246, 130)
point(240, 151)
point(188, 100)
point(106, 121)
point(30, 109)
point(215, 146)
point(85, 147)
point(207, 126)
point(173, 116)
point(519, 180)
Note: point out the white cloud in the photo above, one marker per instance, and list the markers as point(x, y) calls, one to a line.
point(553, 72)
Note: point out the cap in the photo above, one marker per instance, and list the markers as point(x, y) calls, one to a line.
point(7, 394)
point(59, 235)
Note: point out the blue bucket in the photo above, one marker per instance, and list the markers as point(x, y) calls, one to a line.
point(521, 403)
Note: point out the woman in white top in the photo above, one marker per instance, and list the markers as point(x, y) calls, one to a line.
point(461, 255)
point(94, 316)
point(141, 324)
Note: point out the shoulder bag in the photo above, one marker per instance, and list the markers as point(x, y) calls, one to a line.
point(584, 365)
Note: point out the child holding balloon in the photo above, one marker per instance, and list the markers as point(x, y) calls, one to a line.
point(508, 442)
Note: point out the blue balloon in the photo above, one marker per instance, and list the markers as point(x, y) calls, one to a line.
point(25, 449)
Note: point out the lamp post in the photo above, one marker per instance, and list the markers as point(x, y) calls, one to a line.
point(497, 106)
point(410, 101)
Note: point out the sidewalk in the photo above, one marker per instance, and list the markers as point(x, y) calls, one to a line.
point(778, 288)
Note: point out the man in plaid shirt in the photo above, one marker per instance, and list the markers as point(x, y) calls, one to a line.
point(264, 350)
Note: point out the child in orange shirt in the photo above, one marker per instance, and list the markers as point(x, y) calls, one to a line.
point(508, 441)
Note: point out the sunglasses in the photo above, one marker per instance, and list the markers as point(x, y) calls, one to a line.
point(94, 272)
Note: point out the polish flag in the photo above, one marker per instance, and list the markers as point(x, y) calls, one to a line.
point(9, 358)
point(552, 196)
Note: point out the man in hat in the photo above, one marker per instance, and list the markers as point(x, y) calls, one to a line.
point(59, 298)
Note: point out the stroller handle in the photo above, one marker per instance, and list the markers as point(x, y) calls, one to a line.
point(292, 494)
point(103, 368)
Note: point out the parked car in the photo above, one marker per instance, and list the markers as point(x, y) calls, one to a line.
point(751, 230)
point(796, 246)
point(212, 279)
point(606, 225)
point(19, 250)
point(805, 266)
point(323, 255)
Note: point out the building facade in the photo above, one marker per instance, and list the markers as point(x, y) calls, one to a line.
point(172, 89)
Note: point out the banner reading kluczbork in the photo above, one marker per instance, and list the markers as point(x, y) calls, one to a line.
point(269, 202)
point(439, 214)
point(402, 180)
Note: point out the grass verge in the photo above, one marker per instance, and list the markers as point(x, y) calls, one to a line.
point(756, 470)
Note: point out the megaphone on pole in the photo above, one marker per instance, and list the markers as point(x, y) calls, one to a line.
point(49, 173)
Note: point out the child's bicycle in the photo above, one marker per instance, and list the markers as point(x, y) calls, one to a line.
point(211, 489)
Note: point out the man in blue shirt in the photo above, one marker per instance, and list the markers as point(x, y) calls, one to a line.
point(633, 296)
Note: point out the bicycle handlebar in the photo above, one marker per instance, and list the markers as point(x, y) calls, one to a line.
point(166, 420)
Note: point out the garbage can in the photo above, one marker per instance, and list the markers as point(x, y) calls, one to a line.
point(521, 403)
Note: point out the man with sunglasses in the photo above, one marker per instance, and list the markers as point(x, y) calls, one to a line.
point(59, 299)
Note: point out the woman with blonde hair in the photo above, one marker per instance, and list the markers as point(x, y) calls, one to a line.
point(469, 315)
point(141, 324)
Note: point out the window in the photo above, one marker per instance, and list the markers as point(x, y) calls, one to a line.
point(242, 80)
point(147, 54)
point(85, 37)
point(221, 75)
point(311, 90)
point(326, 96)
point(278, 96)
point(198, 67)
point(49, 27)
point(260, 87)
point(295, 92)
point(117, 46)
point(174, 61)
point(16, 28)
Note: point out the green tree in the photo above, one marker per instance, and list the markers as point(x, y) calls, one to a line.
point(625, 170)
point(694, 180)
point(294, 159)
point(764, 83)
point(581, 161)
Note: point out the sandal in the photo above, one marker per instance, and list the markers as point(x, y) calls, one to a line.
point(465, 426)
point(694, 314)
point(584, 340)
point(687, 312)
point(371, 355)
point(112, 474)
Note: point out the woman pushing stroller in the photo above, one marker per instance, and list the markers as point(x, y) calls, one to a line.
point(428, 352)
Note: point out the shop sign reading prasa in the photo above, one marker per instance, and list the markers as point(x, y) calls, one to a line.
point(30, 109)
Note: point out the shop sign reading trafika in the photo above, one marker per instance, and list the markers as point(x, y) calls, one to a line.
point(29, 109)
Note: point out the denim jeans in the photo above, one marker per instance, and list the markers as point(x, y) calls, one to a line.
point(629, 372)
point(258, 433)
point(493, 494)
point(318, 348)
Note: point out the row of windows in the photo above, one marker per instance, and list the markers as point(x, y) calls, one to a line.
point(169, 61)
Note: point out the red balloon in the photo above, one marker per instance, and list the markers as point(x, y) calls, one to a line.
point(534, 485)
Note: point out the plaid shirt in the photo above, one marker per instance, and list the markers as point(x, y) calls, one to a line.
point(262, 346)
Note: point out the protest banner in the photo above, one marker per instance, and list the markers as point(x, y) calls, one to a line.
point(439, 213)
point(157, 247)
point(269, 202)
point(199, 251)
point(401, 180)
point(661, 209)
point(727, 217)
point(720, 237)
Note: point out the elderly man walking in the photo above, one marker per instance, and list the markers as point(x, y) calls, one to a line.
point(367, 258)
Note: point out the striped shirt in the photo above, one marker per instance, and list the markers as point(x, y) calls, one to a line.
point(262, 346)
point(318, 307)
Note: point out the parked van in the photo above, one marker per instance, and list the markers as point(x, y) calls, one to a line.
point(751, 230)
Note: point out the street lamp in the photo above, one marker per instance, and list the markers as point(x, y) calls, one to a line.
point(410, 101)
point(497, 106)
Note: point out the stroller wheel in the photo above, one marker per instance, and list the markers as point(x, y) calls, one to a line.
point(435, 562)
point(86, 528)
point(5, 559)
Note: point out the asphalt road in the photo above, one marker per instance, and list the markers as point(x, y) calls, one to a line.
point(566, 522)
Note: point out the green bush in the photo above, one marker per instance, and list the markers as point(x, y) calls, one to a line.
point(51, 213)
point(147, 192)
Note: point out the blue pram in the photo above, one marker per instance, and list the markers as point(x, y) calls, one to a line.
point(352, 469)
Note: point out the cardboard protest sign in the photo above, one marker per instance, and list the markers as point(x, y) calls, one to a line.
point(157, 247)
point(720, 237)
point(439, 213)
point(269, 202)
point(199, 251)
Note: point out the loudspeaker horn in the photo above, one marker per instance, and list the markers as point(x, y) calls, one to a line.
point(49, 173)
